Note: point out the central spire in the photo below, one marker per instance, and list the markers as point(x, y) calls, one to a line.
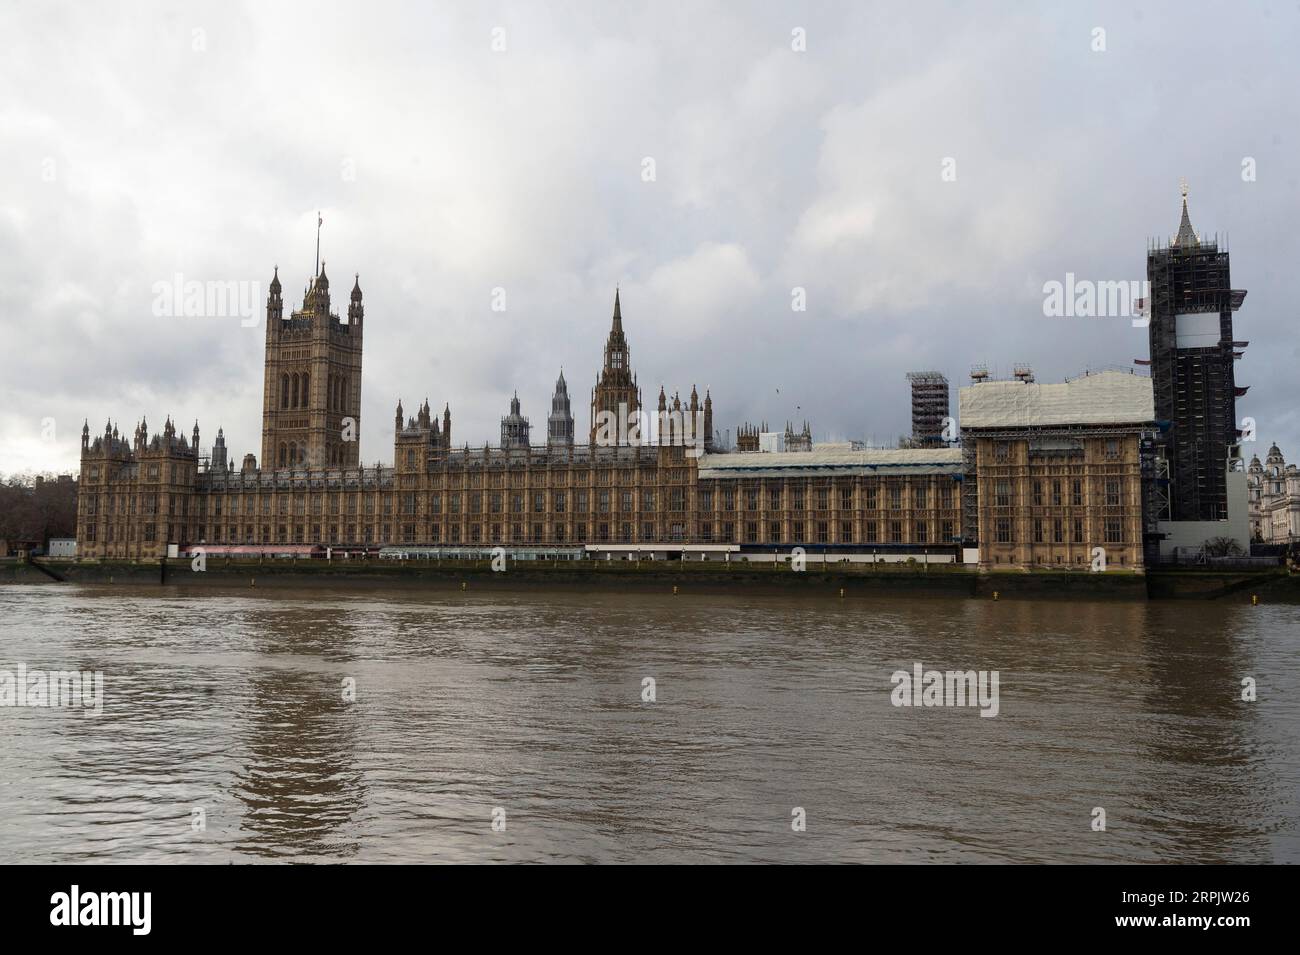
point(616, 390)
point(616, 345)
point(1186, 234)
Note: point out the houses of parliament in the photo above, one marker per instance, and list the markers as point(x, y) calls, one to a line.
point(143, 492)
point(1042, 476)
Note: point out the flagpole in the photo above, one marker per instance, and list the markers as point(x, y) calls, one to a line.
point(319, 221)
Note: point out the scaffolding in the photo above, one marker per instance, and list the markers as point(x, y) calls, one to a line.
point(1155, 492)
point(930, 403)
point(970, 498)
point(1193, 383)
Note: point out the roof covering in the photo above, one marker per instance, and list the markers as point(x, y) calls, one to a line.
point(1105, 398)
point(834, 461)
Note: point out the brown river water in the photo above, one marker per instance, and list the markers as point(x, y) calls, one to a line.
point(225, 735)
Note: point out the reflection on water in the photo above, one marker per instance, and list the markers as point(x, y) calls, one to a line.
point(232, 703)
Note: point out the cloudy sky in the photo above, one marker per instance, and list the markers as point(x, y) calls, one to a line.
point(140, 141)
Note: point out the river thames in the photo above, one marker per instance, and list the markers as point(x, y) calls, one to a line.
point(405, 726)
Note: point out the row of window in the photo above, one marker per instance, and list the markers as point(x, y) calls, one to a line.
point(1042, 495)
point(752, 532)
point(295, 391)
point(1002, 450)
point(291, 454)
point(580, 501)
point(1054, 531)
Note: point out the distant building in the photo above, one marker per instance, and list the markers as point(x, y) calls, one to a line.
point(798, 440)
point(749, 437)
point(1054, 471)
point(62, 547)
point(1274, 495)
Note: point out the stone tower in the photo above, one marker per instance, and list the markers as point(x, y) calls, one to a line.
point(311, 399)
point(514, 427)
point(616, 389)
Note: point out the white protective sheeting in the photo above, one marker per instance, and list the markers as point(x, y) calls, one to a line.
point(1197, 330)
point(1108, 397)
point(838, 461)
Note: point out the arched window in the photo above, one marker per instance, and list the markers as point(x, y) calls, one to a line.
point(305, 392)
point(293, 454)
point(343, 394)
point(329, 392)
point(284, 459)
point(293, 401)
point(284, 394)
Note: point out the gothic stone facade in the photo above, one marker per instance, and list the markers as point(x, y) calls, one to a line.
point(311, 393)
point(1055, 471)
point(1274, 499)
point(140, 496)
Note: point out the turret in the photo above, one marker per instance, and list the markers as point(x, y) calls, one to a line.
point(663, 416)
point(559, 426)
point(274, 305)
point(708, 421)
point(321, 288)
point(1274, 462)
point(356, 311)
point(219, 451)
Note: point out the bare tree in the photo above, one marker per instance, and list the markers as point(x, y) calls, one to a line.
point(37, 507)
point(1222, 547)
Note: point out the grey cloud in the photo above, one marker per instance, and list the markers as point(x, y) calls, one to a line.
point(522, 170)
